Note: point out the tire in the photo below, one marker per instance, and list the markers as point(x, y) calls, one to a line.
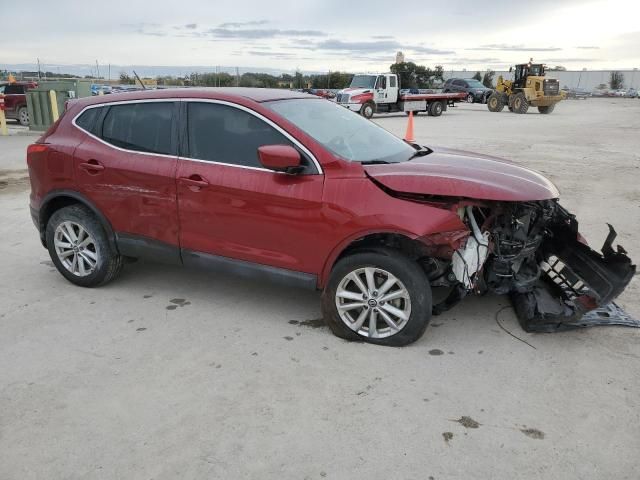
point(411, 281)
point(546, 110)
point(435, 109)
point(73, 259)
point(368, 109)
point(23, 116)
point(495, 102)
point(520, 103)
point(470, 98)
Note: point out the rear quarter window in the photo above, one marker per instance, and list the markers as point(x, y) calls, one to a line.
point(87, 120)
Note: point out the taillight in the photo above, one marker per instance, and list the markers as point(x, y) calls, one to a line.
point(37, 148)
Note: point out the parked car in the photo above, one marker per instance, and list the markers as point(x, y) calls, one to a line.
point(475, 90)
point(284, 186)
point(577, 93)
point(15, 100)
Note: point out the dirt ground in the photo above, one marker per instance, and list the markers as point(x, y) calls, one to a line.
point(168, 373)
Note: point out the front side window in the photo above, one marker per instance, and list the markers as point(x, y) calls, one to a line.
point(346, 134)
point(142, 127)
point(225, 134)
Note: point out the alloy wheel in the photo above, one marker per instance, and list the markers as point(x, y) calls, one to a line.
point(373, 303)
point(76, 249)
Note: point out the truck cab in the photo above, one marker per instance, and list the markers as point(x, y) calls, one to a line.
point(369, 90)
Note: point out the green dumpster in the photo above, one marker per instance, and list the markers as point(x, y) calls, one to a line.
point(39, 101)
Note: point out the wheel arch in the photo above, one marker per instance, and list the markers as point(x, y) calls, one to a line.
point(54, 201)
point(368, 241)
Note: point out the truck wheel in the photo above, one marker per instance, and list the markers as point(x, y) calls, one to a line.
point(547, 109)
point(23, 116)
point(379, 296)
point(80, 249)
point(435, 109)
point(495, 102)
point(520, 103)
point(470, 98)
point(368, 109)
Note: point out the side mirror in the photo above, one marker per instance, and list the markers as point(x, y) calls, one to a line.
point(280, 158)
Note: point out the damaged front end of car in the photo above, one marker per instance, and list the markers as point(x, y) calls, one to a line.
point(533, 252)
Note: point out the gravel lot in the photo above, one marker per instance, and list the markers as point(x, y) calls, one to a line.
point(169, 373)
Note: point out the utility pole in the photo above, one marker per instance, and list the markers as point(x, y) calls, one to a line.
point(97, 69)
point(109, 70)
point(39, 75)
point(237, 77)
point(329, 80)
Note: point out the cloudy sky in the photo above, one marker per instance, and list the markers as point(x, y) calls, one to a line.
point(323, 34)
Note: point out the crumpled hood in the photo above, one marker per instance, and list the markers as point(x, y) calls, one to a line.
point(457, 173)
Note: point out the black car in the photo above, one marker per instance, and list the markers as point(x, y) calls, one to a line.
point(475, 90)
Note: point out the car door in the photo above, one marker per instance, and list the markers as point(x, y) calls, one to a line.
point(232, 208)
point(381, 89)
point(126, 167)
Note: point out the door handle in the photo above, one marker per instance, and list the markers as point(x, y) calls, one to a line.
point(194, 181)
point(92, 166)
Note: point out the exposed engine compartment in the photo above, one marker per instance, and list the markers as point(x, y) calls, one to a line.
point(533, 252)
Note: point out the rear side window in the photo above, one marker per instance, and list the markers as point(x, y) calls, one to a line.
point(224, 134)
point(392, 82)
point(142, 127)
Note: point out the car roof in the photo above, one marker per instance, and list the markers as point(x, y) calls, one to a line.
point(222, 93)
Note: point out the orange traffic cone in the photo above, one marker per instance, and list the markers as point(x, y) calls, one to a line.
point(408, 137)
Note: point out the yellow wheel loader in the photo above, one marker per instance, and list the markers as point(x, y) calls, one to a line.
point(529, 87)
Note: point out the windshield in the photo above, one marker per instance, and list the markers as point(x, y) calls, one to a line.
point(475, 84)
point(363, 81)
point(343, 132)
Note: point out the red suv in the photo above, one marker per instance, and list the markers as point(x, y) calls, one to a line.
point(284, 186)
point(15, 100)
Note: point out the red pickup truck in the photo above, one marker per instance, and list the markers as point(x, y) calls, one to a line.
point(15, 100)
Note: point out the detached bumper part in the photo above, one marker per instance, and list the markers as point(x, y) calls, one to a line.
point(577, 288)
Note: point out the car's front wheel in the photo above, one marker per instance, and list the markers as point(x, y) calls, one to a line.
point(379, 296)
point(80, 248)
point(470, 98)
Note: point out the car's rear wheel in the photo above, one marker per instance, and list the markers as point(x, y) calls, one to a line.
point(23, 116)
point(80, 249)
point(380, 297)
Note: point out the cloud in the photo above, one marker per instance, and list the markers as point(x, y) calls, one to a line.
point(376, 46)
point(514, 48)
point(255, 33)
point(588, 48)
point(191, 26)
point(252, 23)
point(572, 60)
point(382, 37)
